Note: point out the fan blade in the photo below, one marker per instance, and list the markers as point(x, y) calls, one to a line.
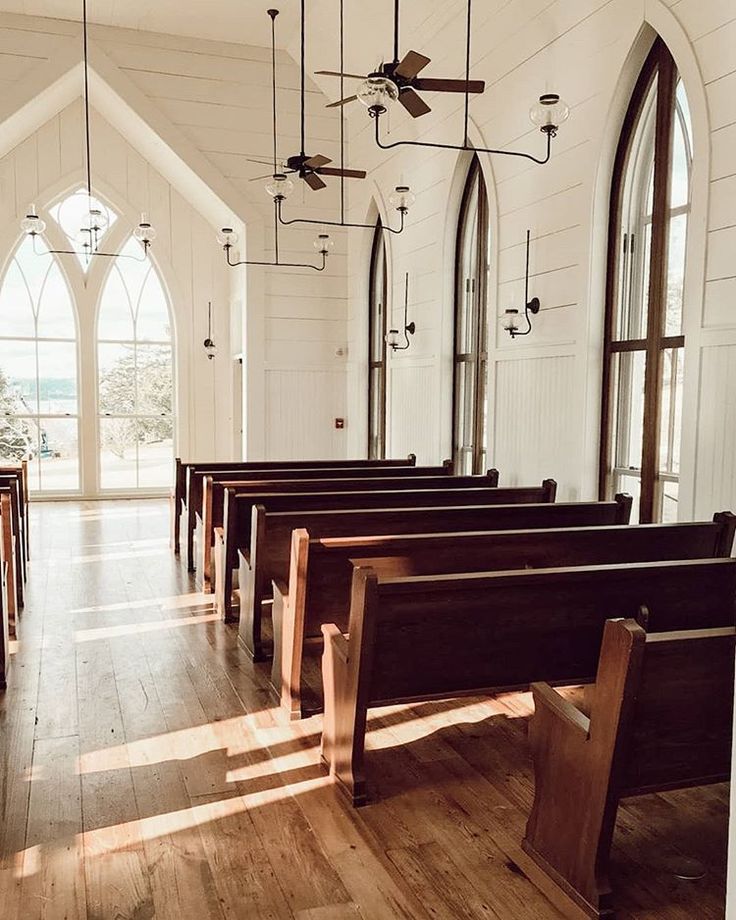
point(336, 73)
point(314, 181)
point(411, 64)
point(348, 173)
point(333, 105)
point(449, 86)
point(414, 104)
point(317, 160)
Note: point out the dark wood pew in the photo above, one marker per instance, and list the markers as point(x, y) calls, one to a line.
point(320, 572)
point(196, 473)
point(239, 522)
point(9, 536)
point(661, 718)
point(7, 617)
point(14, 486)
point(213, 500)
point(439, 636)
point(271, 547)
point(21, 470)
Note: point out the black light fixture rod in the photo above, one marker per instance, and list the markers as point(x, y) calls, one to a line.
point(467, 74)
point(342, 111)
point(87, 255)
point(396, 31)
point(338, 223)
point(86, 99)
point(526, 273)
point(509, 153)
point(273, 14)
point(303, 79)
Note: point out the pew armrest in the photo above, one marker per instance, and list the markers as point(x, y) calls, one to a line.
point(336, 640)
point(550, 704)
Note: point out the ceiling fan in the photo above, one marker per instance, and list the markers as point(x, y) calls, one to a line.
point(399, 80)
point(310, 168)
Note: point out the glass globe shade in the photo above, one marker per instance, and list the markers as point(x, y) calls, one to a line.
point(324, 244)
point(392, 338)
point(377, 92)
point(144, 232)
point(510, 320)
point(99, 218)
point(32, 223)
point(402, 198)
point(227, 237)
point(280, 186)
point(549, 112)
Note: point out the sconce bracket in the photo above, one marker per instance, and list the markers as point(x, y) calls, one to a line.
point(533, 305)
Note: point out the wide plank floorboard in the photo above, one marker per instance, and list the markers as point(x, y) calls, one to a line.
point(145, 773)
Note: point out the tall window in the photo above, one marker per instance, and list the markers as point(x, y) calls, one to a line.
point(135, 377)
point(644, 341)
point(471, 328)
point(377, 295)
point(39, 414)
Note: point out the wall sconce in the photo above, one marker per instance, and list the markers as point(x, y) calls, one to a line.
point(530, 306)
point(209, 345)
point(392, 336)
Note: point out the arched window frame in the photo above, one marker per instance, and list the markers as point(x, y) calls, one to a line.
point(470, 412)
point(659, 66)
point(377, 328)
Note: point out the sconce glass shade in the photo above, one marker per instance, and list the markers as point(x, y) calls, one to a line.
point(98, 219)
point(402, 198)
point(549, 112)
point(227, 237)
point(32, 223)
point(280, 186)
point(510, 321)
point(324, 244)
point(144, 232)
point(378, 92)
point(392, 338)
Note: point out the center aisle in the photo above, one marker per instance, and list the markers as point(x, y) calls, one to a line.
point(146, 773)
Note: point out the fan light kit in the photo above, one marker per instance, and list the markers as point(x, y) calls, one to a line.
point(312, 168)
point(393, 335)
point(530, 306)
point(399, 80)
point(96, 220)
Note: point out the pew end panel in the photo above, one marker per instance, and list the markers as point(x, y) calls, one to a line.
point(288, 613)
point(4, 625)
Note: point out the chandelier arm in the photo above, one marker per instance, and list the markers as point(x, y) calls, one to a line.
point(436, 146)
point(339, 223)
point(316, 268)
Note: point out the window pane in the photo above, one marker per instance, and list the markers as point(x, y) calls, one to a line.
point(632, 485)
point(634, 230)
point(117, 381)
point(18, 377)
point(681, 151)
point(72, 214)
point(118, 453)
point(58, 454)
point(17, 438)
point(376, 447)
point(116, 315)
point(153, 323)
point(155, 452)
point(627, 404)
point(670, 492)
point(377, 306)
point(57, 379)
point(670, 428)
point(16, 307)
point(675, 274)
point(55, 313)
point(154, 380)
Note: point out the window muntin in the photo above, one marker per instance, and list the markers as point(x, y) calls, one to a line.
point(378, 296)
point(471, 328)
point(39, 406)
point(643, 359)
point(135, 377)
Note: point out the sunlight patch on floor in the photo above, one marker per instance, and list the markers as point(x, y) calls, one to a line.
point(133, 629)
point(175, 602)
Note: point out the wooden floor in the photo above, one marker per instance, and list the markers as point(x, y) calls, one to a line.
point(144, 772)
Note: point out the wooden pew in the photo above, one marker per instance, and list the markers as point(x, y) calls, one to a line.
point(196, 473)
point(21, 470)
point(662, 714)
point(179, 490)
point(12, 486)
point(439, 636)
point(16, 475)
point(272, 533)
point(8, 556)
point(240, 523)
point(320, 572)
point(4, 625)
point(213, 500)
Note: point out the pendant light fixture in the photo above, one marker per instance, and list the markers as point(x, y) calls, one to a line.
point(391, 83)
point(279, 186)
point(95, 221)
point(392, 336)
point(530, 306)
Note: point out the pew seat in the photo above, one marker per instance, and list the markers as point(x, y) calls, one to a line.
point(440, 636)
point(661, 718)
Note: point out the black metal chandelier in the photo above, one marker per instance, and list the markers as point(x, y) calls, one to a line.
point(96, 220)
